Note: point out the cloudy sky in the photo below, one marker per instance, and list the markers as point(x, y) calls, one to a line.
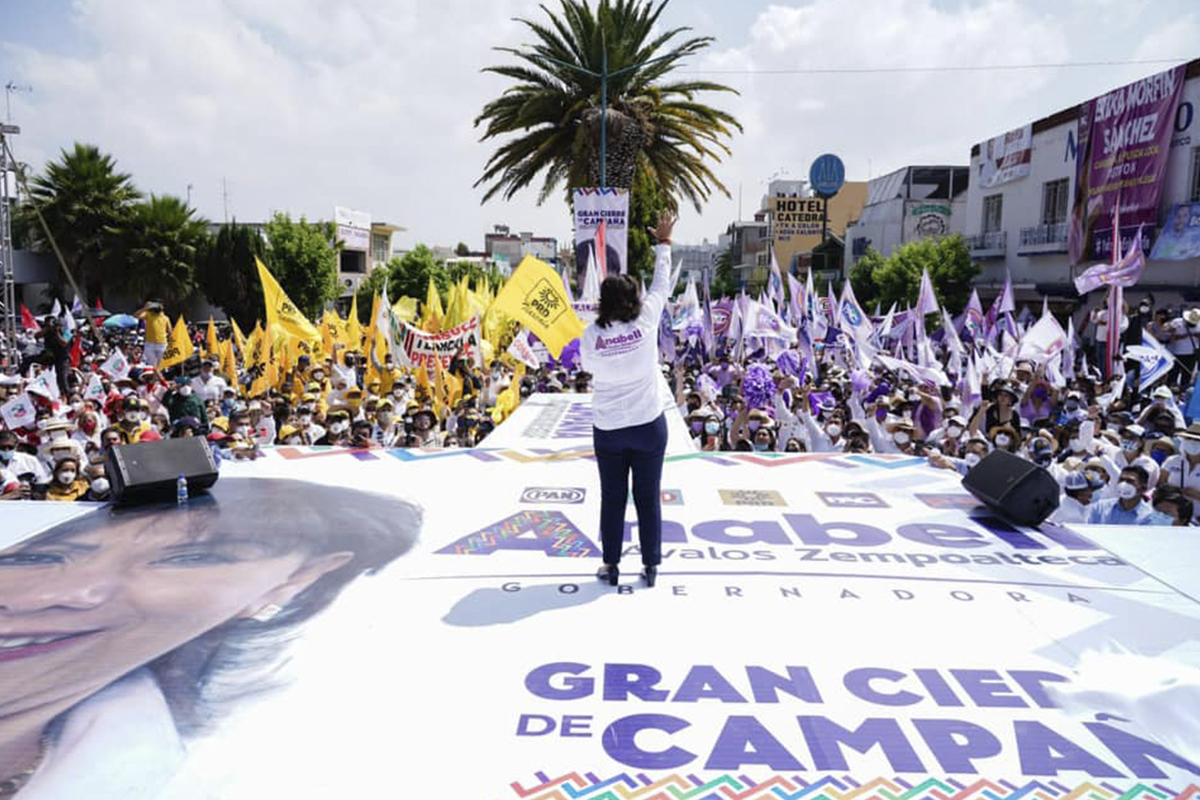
point(300, 105)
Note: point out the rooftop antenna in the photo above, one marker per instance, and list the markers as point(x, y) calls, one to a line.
point(9, 89)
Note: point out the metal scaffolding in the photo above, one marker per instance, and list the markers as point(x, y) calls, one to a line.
point(8, 198)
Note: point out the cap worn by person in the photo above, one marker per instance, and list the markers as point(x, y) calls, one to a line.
point(1162, 393)
point(1077, 482)
point(1137, 431)
point(1192, 316)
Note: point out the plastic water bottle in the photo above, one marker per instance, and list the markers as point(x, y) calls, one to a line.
point(181, 490)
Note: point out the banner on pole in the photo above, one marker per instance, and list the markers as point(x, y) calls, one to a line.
point(593, 206)
point(413, 347)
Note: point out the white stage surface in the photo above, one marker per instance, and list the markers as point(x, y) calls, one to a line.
point(840, 627)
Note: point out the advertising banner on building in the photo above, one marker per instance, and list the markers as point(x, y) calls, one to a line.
point(605, 244)
point(1006, 158)
point(795, 218)
point(1123, 143)
point(1180, 235)
point(331, 622)
point(924, 219)
point(353, 228)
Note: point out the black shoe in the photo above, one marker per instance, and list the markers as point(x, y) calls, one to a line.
point(609, 573)
point(649, 575)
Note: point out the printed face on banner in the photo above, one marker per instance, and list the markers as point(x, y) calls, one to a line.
point(855, 644)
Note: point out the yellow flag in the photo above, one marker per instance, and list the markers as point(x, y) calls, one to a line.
point(281, 312)
point(510, 398)
point(255, 352)
point(405, 308)
point(210, 340)
point(535, 296)
point(228, 365)
point(432, 314)
point(354, 332)
point(239, 338)
point(179, 349)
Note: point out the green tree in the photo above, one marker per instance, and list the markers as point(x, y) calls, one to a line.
point(303, 258)
point(552, 112)
point(406, 277)
point(82, 197)
point(462, 249)
point(153, 252)
point(862, 276)
point(724, 283)
point(646, 202)
point(951, 271)
point(228, 276)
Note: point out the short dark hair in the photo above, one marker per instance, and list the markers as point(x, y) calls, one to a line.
point(1139, 472)
point(620, 300)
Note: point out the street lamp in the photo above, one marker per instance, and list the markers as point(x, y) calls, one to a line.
point(603, 75)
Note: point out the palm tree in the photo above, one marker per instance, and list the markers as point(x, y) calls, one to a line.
point(155, 251)
point(654, 125)
point(81, 197)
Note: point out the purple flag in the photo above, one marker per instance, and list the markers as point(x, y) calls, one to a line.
point(1123, 273)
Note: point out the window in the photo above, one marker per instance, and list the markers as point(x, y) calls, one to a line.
point(1055, 201)
point(1195, 194)
point(992, 206)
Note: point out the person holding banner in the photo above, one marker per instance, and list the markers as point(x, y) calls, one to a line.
point(620, 350)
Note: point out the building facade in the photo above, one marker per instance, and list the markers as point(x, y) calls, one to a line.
point(696, 260)
point(1020, 226)
point(909, 204)
point(507, 249)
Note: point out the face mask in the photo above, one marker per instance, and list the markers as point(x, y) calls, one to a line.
point(1003, 440)
point(1126, 491)
point(292, 440)
point(77, 407)
point(900, 437)
point(398, 393)
point(6, 455)
point(1131, 445)
point(244, 430)
point(712, 428)
point(385, 418)
point(143, 415)
point(337, 427)
point(306, 420)
point(132, 416)
point(761, 447)
point(318, 375)
point(697, 427)
point(66, 478)
point(1190, 447)
point(1159, 456)
point(972, 459)
point(954, 431)
point(185, 390)
point(1072, 407)
point(100, 486)
point(833, 430)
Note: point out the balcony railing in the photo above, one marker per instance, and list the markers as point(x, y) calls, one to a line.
point(994, 242)
point(1043, 235)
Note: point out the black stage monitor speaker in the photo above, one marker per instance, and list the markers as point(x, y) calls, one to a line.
point(1014, 487)
point(149, 470)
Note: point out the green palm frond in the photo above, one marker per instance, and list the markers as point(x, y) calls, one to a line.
point(547, 118)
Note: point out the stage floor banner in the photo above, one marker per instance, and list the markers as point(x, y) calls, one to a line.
point(412, 624)
point(564, 422)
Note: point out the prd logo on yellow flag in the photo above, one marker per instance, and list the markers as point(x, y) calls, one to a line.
point(281, 312)
point(535, 296)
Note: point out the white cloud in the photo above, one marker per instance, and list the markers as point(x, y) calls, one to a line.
point(304, 104)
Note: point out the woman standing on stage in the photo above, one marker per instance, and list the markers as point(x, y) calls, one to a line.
point(620, 350)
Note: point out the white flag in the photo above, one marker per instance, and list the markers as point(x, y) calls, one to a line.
point(94, 389)
point(19, 412)
point(1044, 340)
point(522, 351)
point(117, 366)
point(46, 385)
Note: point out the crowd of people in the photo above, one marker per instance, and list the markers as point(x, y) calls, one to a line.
point(1122, 453)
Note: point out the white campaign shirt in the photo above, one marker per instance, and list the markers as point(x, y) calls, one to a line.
point(623, 359)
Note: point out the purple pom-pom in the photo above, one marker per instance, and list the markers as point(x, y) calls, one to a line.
point(789, 363)
point(758, 390)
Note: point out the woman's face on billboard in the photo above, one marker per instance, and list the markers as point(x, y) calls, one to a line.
point(79, 611)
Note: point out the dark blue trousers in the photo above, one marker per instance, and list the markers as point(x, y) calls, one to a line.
point(639, 450)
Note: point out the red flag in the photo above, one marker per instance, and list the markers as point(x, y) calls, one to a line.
point(77, 351)
point(27, 320)
point(599, 242)
point(98, 306)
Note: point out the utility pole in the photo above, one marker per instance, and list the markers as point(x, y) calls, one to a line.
point(9, 88)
